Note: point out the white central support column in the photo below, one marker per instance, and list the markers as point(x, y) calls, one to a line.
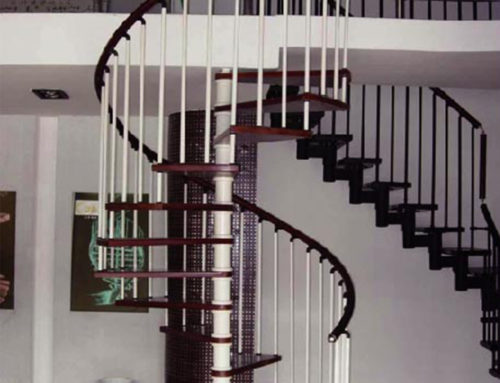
point(44, 250)
point(222, 229)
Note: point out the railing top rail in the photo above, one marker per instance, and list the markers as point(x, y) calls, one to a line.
point(491, 224)
point(455, 105)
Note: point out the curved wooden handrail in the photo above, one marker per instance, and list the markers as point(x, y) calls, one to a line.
point(263, 215)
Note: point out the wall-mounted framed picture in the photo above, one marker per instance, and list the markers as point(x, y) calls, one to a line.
point(7, 244)
point(99, 294)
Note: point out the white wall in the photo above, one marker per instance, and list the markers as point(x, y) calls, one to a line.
point(410, 325)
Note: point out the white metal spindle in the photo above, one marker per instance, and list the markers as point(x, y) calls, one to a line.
point(308, 316)
point(240, 283)
point(150, 234)
point(234, 84)
point(345, 51)
point(324, 43)
point(331, 325)
point(284, 64)
point(292, 311)
point(347, 359)
point(204, 225)
point(184, 252)
point(307, 79)
point(258, 293)
point(320, 320)
point(105, 166)
point(337, 43)
point(112, 189)
point(126, 127)
point(100, 217)
point(338, 343)
point(182, 149)
point(208, 85)
point(275, 308)
point(166, 249)
point(260, 63)
point(161, 100)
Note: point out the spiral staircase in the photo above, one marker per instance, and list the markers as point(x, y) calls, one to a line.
point(221, 315)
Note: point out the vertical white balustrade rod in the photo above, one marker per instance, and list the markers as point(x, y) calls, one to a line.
point(260, 63)
point(204, 225)
point(347, 359)
point(240, 282)
point(112, 187)
point(276, 296)
point(284, 64)
point(292, 311)
point(105, 166)
point(126, 127)
point(150, 233)
point(258, 306)
point(346, 47)
point(184, 251)
point(307, 77)
point(324, 43)
point(234, 84)
point(166, 249)
point(331, 325)
point(161, 100)
point(320, 320)
point(337, 43)
point(101, 168)
point(308, 316)
point(338, 343)
point(182, 149)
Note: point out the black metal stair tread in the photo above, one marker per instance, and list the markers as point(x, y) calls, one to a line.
point(165, 302)
point(246, 362)
point(440, 229)
point(294, 104)
point(467, 251)
point(161, 274)
point(248, 134)
point(133, 242)
point(495, 372)
point(414, 207)
point(149, 206)
point(387, 184)
point(197, 168)
point(198, 333)
point(490, 345)
point(366, 163)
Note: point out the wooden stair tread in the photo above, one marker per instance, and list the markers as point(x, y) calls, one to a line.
point(294, 77)
point(295, 104)
point(132, 242)
point(388, 184)
point(161, 274)
point(165, 303)
point(490, 345)
point(197, 333)
point(149, 206)
point(200, 168)
point(467, 251)
point(440, 229)
point(414, 206)
point(366, 163)
point(246, 362)
point(247, 134)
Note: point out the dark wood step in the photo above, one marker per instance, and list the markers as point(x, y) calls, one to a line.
point(165, 303)
point(294, 104)
point(197, 333)
point(186, 168)
point(161, 274)
point(247, 134)
point(416, 207)
point(466, 251)
point(294, 77)
point(438, 229)
point(133, 242)
point(246, 362)
point(374, 185)
point(146, 206)
point(490, 345)
point(366, 163)
point(322, 146)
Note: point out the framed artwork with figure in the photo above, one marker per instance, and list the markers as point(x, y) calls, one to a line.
point(7, 248)
point(99, 294)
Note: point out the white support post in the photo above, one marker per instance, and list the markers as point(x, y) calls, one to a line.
point(307, 66)
point(161, 101)
point(276, 301)
point(292, 311)
point(308, 317)
point(182, 149)
point(222, 229)
point(331, 364)
point(150, 235)
point(338, 343)
point(184, 251)
point(324, 43)
point(284, 64)
point(260, 63)
point(234, 84)
point(208, 85)
point(112, 181)
point(258, 292)
point(320, 320)
point(240, 281)
point(337, 46)
point(346, 48)
point(166, 249)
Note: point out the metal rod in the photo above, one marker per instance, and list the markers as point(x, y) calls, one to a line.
point(320, 320)
point(407, 141)
point(208, 84)
point(346, 48)
point(114, 105)
point(182, 149)
point(482, 168)
point(258, 292)
point(240, 282)
point(393, 124)
point(292, 312)
point(338, 348)
point(184, 250)
point(420, 143)
point(307, 65)
point(260, 65)
point(337, 52)
point(275, 306)
point(308, 317)
point(473, 186)
point(377, 166)
point(363, 121)
point(434, 159)
point(331, 364)
point(234, 84)
point(447, 165)
point(204, 234)
point(284, 64)
point(161, 100)
point(324, 43)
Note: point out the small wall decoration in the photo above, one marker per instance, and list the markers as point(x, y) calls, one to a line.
point(87, 292)
point(7, 244)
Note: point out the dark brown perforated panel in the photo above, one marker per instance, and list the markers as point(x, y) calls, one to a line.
point(190, 361)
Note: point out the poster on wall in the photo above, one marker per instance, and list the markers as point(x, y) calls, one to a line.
point(7, 244)
point(99, 294)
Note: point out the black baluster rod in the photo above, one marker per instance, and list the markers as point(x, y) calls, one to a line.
point(472, 186)
point(420, 142)
point(363, 122)
point(300, 7)
point(377, 167)
point(412, 9)
point(429, 9)
point(393, 125)
point(396, 9)
point(490, 9)
point(482, 166)
point(447, 164)
point(461, 261)
point(334, 123)
point(434, 157)
point(460, 10)
point(407, 140)
point(269, 7)
point(363, 8)
point(381, 8)
point(474, 9)
point(445, 9)
point(348, 120)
